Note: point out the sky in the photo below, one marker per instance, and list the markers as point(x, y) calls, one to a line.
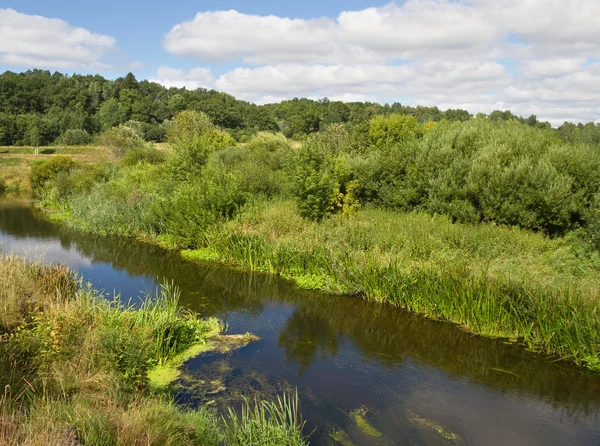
point(537, 57)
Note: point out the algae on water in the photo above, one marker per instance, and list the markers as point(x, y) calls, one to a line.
point(424, 422)
point(165, 374)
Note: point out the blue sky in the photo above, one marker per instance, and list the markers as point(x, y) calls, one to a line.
point(140, 26)
point(478, 55)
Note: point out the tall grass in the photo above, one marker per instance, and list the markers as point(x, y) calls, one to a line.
point(272, 423)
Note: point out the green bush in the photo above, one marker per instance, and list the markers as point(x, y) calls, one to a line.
point(3, 186)
point(41, 174)
point(119, 140)
point(393, 129)
point(195, 206)
point(75, 137)
point(485, 171)
point(314, 185)
point(148, 155)
point(193, 138)
point(271, 142)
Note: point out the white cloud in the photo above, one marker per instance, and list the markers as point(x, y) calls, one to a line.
point(193, 79)
point(40, 42)
point(529, 56)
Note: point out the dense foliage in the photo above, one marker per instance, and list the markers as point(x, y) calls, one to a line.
point(38, 108)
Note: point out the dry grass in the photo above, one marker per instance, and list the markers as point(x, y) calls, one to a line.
point(16, 162)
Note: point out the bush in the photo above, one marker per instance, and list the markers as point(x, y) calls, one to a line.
point(148, 155)
point(193, 138)
point(485, 171)
point(75, 137)
point(271, 142)
point(195, 206)
point(313, 183)
point(393, 129)
point(41, 174)
point(3, 186)
point(335, 137)
point(121, 139)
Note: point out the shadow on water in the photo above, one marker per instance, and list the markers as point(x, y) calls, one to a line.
point(366, 373)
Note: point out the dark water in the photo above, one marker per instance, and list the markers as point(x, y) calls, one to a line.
point(415, 381)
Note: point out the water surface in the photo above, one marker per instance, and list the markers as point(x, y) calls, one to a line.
point(415, 381)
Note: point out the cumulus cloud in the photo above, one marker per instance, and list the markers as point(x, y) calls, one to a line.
point(35, 41)
point(193, 79)
point(530, 56)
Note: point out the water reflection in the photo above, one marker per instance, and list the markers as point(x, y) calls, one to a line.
point(343, 354)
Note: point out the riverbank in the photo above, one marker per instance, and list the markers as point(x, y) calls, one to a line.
point(74, 368)
point(493, 281)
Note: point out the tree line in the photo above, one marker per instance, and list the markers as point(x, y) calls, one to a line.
point(38, 107)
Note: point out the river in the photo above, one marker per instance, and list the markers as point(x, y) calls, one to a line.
point(414, 381)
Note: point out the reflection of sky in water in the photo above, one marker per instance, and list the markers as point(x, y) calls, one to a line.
point(348, 353)
point(102, 275)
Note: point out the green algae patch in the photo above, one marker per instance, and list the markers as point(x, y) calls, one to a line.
point(202, 254)
point(360, 418)
point(340, 437)
point(165, 374)
point(430, 424)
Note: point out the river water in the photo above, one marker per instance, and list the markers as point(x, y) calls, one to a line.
point(414, 381)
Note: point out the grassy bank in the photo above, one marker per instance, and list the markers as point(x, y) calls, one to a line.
point(74, 369)
point(492, 280)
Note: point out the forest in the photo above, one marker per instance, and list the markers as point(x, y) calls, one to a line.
point(40, 108)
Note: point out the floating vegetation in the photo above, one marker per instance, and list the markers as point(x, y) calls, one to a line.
point(425, 422)
point(163, 375)
point(360, 418)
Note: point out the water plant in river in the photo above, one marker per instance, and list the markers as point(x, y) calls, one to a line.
point(359, 416)
point(274, 423)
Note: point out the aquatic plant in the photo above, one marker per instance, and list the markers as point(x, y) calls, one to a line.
point(273, 423)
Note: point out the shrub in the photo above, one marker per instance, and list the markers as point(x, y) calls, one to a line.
point(44, 172)
point(121, 139)
point(75, 137)
point(195, 206)
point(148, 155)
point(3, 186)
point(193, 138)
point(393, 129)
point(271, 142)
point(313, 183)
point(335, 137)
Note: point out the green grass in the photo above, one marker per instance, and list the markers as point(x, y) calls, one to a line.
point(52, 150)
point(4, 161)
point(275, 423)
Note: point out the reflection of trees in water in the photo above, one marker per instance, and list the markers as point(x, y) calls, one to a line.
point(321, 323)
point(387, 336)
point(22, 220)
point(304, 337)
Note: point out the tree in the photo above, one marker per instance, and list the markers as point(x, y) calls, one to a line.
point(393, 129)
point(111, 114)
